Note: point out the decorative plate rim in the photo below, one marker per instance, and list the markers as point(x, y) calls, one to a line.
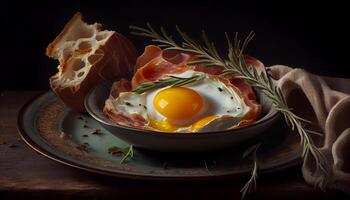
point(294, 160)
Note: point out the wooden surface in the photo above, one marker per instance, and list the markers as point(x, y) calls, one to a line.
point(24, 173)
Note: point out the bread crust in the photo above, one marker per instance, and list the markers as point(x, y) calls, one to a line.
point(115, 59)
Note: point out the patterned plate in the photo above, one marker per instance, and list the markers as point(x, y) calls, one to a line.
point(58, 133)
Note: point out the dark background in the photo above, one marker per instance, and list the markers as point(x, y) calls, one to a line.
point(312, 36)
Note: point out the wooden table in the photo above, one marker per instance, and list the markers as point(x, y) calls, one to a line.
point(24, 173)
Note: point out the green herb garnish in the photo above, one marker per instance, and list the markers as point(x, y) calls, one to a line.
point(235, 64)
point(172, 81)
point(251, 183)
point(127, 152)
point(206, 167)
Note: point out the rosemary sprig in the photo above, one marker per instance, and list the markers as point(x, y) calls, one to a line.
point(128, 152)
point(206, 167)
point(251, 183)
point(128, 155)
point(235, 64)
point(252, 180)
point(172, 81)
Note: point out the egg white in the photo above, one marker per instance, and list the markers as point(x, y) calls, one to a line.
point(219, 100)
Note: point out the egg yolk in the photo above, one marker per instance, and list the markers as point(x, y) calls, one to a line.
point(167, 126)
point(164, 126)
point(178, 103)
point(202, 122)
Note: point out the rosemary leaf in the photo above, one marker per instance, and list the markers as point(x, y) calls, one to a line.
point(251, 150)
point(251, 183)
point(127, 152)
point(172, 81)
point(235, 64)
point(128, 155)
point(206, 167)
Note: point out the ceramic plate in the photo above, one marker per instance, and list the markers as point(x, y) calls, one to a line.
point(58, 133)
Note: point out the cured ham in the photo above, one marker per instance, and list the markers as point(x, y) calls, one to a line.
point(155, 64)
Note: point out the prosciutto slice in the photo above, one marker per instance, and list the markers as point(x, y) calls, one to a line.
point(155, 64)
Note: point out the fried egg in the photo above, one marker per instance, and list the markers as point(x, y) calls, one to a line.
point(208, 104)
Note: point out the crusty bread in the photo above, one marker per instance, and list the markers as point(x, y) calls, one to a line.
point(87, 56)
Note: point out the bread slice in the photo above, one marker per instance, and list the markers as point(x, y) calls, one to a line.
point(87, 55)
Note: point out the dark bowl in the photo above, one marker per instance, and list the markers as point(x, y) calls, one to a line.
point(180, 142)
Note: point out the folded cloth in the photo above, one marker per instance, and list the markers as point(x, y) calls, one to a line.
point(324, 101)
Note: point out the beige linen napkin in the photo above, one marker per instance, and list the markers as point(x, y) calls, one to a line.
point(326, 102)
